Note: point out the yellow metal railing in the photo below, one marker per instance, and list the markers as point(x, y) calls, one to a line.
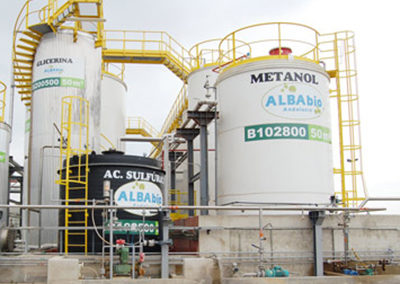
point(139, 126)
point(260, 39)
point(3, 89)
point(147, 43)
point(174, 118)
point(54, 14)
point(207, 53)
point(115, 70)
point(74, 142)
point(337, 50)
point(181, 199)
point(109, 142)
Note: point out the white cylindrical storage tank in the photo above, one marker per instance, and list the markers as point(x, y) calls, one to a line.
point(274, 138)
point(113, 112)
point(62, 67)
point(5, 136)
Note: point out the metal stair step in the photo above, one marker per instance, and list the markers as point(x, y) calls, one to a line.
point(27, 48)
point(23, 80)
point(29, 42)
point(24, 86)
point(27, 55)
point(18, 67)
point(29, 74)
point(32, 35)
point(24, 61)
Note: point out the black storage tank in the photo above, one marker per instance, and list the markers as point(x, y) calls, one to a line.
point(135, 181)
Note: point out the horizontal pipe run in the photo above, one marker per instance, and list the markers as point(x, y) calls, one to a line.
point(362, 204)
point(223, 208)
point(141, 139)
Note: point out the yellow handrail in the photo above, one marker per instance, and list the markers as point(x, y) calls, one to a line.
point(140, 123)
point(207, 53)
point(114, 70)
point(174, 117)
point(147, 42)
point(3, 89)
point(108, 141)
point(302, 39)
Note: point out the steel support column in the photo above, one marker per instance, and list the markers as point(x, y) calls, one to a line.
point(317, 218)
point(203, 118)
point(189, 135)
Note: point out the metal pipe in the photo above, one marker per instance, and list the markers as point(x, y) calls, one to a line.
point(133, 260)
point(111, 234)
point(216, 150)
point(141, 139)
point(190, 175)
point(204, 167)
point(186, 207)
point(378, 199)
point(165, 231)
point(261, 239)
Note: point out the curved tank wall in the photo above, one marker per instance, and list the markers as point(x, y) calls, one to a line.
point(135, 181)
point(274, 139)
point(26, 170)
point(61, 68)
point(113, 112)
point(5, 136)
point(196, 93)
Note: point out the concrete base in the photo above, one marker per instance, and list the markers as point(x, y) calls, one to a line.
point(201, 269)
point(63, 269)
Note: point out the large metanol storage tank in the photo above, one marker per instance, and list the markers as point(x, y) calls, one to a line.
point(274, 137)
point(62, 67)
point(136, 181)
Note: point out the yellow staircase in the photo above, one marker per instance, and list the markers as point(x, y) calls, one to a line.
point(337, 50)
point(74, 177)
point(39, 17)
point(139, 126)
point(146, 47)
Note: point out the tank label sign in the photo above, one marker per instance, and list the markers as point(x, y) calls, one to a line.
point(133, 227)
point(294, 101)
point(283, 76)
point(2, 157)
point(134, 175)
point(139, 194)
point(287, 131)
point(59, 72)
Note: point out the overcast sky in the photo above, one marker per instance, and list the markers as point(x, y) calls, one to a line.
point(152, 89)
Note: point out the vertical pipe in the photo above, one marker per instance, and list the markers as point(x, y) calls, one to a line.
point(261, 238)
point(190, 175)
point(204, 167)
point(133, 259)
point(111, 234)
point(165, 231)
point(173, 177)
point(216, 150)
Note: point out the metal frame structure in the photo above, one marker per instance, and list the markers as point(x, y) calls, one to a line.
point(336, 50)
